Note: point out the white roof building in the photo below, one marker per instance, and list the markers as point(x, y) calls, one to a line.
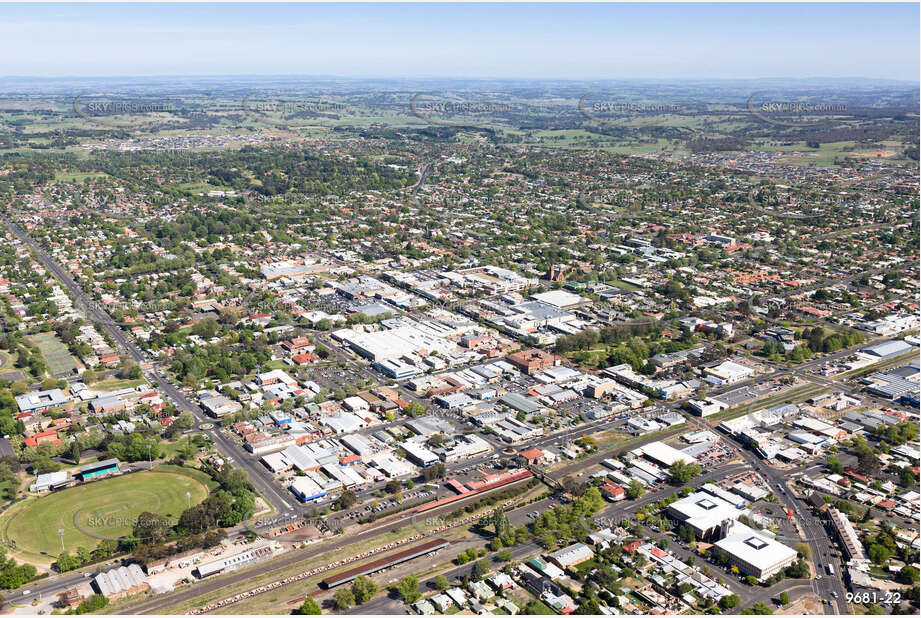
point(574, 554)
point(663, 454)
point(754, 553)
point(120, 581)
point(703, 512)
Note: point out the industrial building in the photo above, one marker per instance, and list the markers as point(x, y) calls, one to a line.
point(232, 563)
point(121, 582)
point(385, 562)
point(573, 554)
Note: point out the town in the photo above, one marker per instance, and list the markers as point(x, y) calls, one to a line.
point(342, 348)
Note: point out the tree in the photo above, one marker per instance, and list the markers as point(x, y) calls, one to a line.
point(347, 499)
point(441, 583)
point(414, 408)
point(803, 550)
point(868, 462)
point(75, 452)
point(92, 604)
point(682, 473)
point(784, 598)
point(634, 489)
point(363, 589)
point(309, 608)
point(729, 601)
point(408, 587)
point(343, 599)
point(761, 609)
point(480, 569)
point(909, 575)
point(834, 465)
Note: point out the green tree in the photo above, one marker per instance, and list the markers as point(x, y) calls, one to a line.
point(682, 473)
point(784, 598)
point(634, 489)
point(343, 599)
point(347, 499)
point(408, 587)
point(309, 607)
point(480, 570)
point(729, 601)
point(803, 550)
point(441, 582)
point(363, 589)
point(908, 575)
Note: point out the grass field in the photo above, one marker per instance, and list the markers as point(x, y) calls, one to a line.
point(56, 353)
point(114, 384)
point(90, 513)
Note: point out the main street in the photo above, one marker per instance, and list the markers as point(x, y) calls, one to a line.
point(277, 497)
point(271, 492)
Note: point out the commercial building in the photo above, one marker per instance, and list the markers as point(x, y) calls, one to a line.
point(533, 360)
point(754, 553)
point(846, 533)
point(728, 372)
point(561, 299)
point(662, 454)
point(219, 405)
point(706, 407)
point(703, 513)
point(466, 446)
point(888, 349)
point(419, 455)
point(306, 489)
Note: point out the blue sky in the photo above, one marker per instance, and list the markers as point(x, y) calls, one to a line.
point(569, 41)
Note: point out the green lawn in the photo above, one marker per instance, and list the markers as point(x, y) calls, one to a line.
point(114, 384)
point(95, 511)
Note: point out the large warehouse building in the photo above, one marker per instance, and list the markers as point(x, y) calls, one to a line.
point(385, 563)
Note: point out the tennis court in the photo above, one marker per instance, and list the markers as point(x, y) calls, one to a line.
point(56, 353)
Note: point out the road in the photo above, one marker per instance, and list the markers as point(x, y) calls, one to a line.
point(270, 491)
point(816, 536)
point(265, 483)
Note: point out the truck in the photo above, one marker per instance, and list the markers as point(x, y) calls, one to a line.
point(830, 569)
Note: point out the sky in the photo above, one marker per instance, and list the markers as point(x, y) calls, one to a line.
point(533, 41)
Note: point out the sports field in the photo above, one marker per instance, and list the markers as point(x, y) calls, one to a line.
point(56, 353)
point(87, 514)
